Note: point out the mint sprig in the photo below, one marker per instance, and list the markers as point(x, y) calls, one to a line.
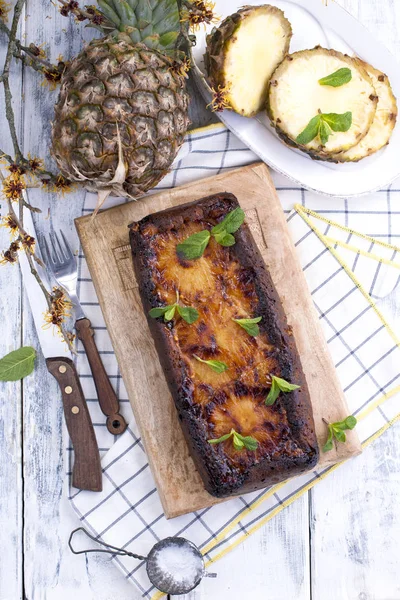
point(239, 441)
point(216, 365)
point(338, 78)
point(188, 313)
point(193, 247)
point(323, 125)
point(230, 223)
point(337, 431)
point(279, 385)
point(249, 325)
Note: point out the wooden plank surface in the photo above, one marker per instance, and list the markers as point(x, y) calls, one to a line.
point(292, 577)
point(11, 481)
point(104, 242)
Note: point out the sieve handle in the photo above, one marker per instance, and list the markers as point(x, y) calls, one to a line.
point(112, 549)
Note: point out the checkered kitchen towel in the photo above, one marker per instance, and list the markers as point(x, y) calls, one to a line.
point(348, 274)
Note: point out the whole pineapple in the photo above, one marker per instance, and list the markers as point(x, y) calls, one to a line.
point(122, 112)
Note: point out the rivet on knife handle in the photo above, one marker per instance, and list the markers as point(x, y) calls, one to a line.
point(108, 400)
point(86, 472)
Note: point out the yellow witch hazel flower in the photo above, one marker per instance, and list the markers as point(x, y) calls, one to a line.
point(4, 10)
point(28, 243)
point(219, 99)
point(9, 222)
point(35, 163)
point(59, 309)
point(10, 256)
point(13, 186)
point(62, 185)
point(198, 12)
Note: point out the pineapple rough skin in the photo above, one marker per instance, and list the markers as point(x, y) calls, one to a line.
point(367, 98)
point(221, 41)
point(112, 84)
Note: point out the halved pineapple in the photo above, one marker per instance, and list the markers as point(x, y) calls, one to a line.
point(383, 124)
point(243, 53)
point(296, 96)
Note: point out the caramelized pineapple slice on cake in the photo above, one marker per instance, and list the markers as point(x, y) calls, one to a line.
point(243, 53)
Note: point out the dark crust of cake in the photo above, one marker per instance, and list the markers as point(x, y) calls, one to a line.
point(219, 477)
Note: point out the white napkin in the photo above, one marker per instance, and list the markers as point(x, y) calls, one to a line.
point(348, 274)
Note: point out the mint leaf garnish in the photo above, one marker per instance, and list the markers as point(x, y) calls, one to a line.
point(338, 78)
point(188, 313)
point(337, 430)
point(279, 385)
point(215, 365)
point(239, 441)
point(194, 246)
point(249, 325)
point(323, 125)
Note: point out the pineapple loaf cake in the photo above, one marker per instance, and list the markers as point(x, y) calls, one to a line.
point(228, 354)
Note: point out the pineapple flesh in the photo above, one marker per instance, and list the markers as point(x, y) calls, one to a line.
point(295, 97)
point(122, 112)
point(243, 53)
point(383, 124)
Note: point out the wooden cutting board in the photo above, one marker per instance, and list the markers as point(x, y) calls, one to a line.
point(105, 242)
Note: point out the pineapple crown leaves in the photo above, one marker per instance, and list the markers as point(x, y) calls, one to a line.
point(155, 23)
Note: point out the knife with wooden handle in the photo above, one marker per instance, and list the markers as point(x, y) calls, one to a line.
point(86, 473)
point(108, 400)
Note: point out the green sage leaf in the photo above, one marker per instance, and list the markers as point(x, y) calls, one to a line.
point(17, 364)
point(193, 247)
point(338, 78)
point(249, 325)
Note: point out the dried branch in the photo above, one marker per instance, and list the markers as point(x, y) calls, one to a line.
point(15, 183)
point(5, 78)
point(96, 18)
point(31, 59)
point(22, 234)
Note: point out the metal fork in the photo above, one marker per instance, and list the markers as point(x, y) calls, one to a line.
point(61, 262)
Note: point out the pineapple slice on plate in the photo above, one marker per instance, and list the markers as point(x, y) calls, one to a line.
point(296, 97)
point(122, 112)
point(243, 53)
point(383, 124)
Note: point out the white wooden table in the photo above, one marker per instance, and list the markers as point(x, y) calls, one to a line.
point(341, 542)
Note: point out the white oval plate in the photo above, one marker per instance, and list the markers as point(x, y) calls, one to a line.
point(314, 22)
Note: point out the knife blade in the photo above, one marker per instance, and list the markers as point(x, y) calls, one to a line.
point(86, 472)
